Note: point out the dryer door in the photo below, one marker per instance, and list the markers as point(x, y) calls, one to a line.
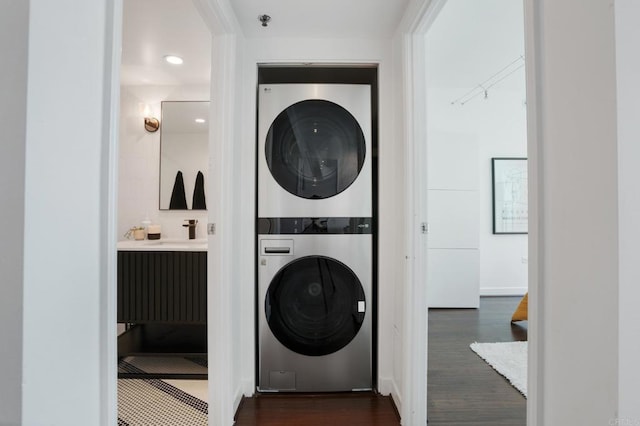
point(315, 305)
point(315, 149)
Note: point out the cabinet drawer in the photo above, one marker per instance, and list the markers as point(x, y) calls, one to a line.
point(162, 286)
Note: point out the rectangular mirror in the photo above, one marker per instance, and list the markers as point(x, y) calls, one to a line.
point(184, 155)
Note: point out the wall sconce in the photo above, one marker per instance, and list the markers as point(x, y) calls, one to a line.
point(151, 124)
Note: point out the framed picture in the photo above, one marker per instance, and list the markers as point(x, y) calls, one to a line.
point(510, 195)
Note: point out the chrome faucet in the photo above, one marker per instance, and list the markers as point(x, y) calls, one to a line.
point(191, 224)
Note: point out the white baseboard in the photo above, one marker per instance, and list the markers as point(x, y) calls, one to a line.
point(245, 389)
point(388, 386)
point(385, 385)
point(236, 400)
point(248, 387)
point(503, 291)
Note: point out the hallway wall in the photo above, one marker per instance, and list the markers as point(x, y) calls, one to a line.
point(576, 164)
point(68, 237)
point(628, 69)
point(14, 33)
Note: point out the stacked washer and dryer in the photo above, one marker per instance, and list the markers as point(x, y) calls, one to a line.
point(315, 247)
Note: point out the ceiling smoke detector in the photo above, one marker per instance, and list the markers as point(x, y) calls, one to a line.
point(264, 19)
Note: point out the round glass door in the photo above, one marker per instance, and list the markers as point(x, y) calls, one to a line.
point(315, 305)
point(315, 149)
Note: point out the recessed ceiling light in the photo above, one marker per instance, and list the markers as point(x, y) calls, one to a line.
point(200, 120)
point(172, 59)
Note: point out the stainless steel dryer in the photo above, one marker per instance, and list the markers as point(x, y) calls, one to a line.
point(314, 150)
point(314, 306)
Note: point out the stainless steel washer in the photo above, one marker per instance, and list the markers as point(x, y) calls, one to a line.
point(314, 308)
point(314, 150)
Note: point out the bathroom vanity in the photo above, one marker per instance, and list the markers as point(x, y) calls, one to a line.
point(162, 297)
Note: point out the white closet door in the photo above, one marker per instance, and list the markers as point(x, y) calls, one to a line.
point(453, 279)
point(453, 212)
point(453, 219)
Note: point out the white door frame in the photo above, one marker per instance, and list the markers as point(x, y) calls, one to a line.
point(108, 292)
point(415, 321)
point(532, 31)
point(224, 109)
point(221, 20)
point(415, 325)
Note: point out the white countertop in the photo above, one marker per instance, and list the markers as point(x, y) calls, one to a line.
point(163, 244)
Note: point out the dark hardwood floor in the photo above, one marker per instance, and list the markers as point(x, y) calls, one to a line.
point(462, 388)
point(341, 409)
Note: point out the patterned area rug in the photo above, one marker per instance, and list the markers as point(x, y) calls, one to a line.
point(153, 402)
point(163, 365)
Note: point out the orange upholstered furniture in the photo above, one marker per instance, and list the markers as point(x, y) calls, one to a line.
point(520, 314)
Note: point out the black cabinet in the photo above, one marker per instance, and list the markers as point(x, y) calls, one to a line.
point(162, 287)
point(162, 297)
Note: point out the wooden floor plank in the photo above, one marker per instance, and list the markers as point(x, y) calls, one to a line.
point(462, 388)
point(342, 409)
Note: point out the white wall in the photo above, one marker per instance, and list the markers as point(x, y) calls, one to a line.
point(14, 32)
point(139, 162)
point(469, 43)
point(390, 242)
point(66, 351)
point(628, 68)
point(502, 132)
point(495, 127)
point(575, 160)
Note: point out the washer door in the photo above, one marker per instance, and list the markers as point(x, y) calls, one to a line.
point(315, 305)
point(315, 149)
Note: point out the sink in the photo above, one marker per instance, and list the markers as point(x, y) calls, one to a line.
point(175, 242)
point(164, 245)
